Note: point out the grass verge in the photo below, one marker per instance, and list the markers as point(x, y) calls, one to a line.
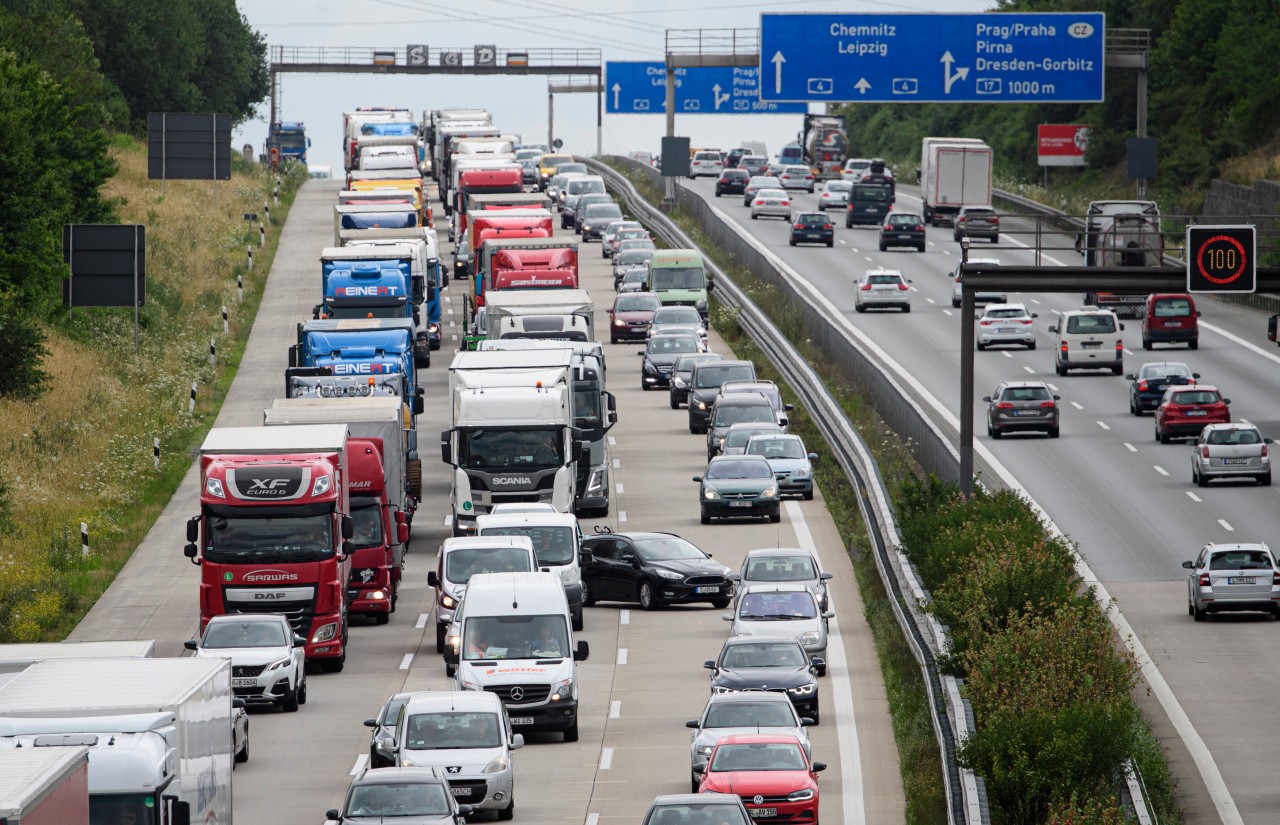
point(82, 452)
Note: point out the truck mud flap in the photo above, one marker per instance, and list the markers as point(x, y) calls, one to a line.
point(413, 468)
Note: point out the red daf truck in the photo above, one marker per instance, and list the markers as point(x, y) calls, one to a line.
point(274, 530)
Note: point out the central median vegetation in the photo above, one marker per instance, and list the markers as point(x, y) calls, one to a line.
point(1051, 686)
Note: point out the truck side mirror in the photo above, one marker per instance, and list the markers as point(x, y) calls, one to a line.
point(446, 454)
point(611, 404)
point(293, 355)
point(193, 528)
point(298, 641)
point(581, 653)
point(179, 811)
point(190, 551)
point(416, 406)
point(402, 533)
point(348, 527)
point(315, 312)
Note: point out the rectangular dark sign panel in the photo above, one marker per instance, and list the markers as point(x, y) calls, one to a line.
point(104, 260)
point(189, 146)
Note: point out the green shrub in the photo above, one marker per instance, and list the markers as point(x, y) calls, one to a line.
point(22, 349)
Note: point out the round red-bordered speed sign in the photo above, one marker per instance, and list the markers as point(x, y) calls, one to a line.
point(1221, 280)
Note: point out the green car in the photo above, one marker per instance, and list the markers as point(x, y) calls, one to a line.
point(738, 486)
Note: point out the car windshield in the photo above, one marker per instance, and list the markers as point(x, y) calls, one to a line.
point(268, 540)
point(368, 524)
point(632, 235)
point(396, 799)
point(904, 219)
point(749, 714)
point(464, 562)
point(514, 637)
point(1006, 312)
point(671, 344)
point(1091, 324)
point(684, 364)
point(1195, 397)
point(677, 315)
point(739, 469)
point(781, 569)
point(585, 186)
point(776, 448)
point(884, 279)
point(637, 303)
point(1172, 308)
point(1164, 371)
point(633, 257)
point(551, 544)
point(715, 376)
point(696, 813)
point(1025, 394)
point(764, 183)
point(792, 604)
point(739, 437)
point(679, 277)
point(452, 730)
point(527, 450)
point(764, 654)
point(758, 757)
point(1240, 560)
point(839, 186)
point(597, 211)
point(220, 635)
point(812, 219)
point(865, 192)
point(667, 548)
point(1233, 437)
point(736, 414)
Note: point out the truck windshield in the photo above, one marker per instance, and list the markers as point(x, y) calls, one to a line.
point(380, 220)
point(452, 730)
point(551, 545)
point(291, 140)
point(267, 539)
point(135, 808)
point(508, 449)
point(368, 525)
point(514, 637)
point(344, 313)
point(690, 277)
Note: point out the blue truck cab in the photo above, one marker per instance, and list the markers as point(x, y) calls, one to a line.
point(289, 139)
point(354, 289)
point(368, 350)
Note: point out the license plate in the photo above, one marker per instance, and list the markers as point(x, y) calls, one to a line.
point(1197, 412)
point(522, 720)
point(1006, 330)
point(1091, 345)
point(707, 590)
point(1241, 579)
point(740, 504)
point(460, 791)
point(1235, 461)
point(244, 683)
point(902, 236)
point(1025, 412)
point(1173, 324)
point(762, 813)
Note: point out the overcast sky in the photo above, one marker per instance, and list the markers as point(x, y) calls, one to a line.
point(622, 29)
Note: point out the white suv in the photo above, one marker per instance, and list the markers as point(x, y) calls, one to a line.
point(706, 163)
point(268, 664)
point(1088, 338)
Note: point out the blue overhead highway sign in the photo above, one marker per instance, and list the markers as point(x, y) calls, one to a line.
point(932, 58)
point(640, 87)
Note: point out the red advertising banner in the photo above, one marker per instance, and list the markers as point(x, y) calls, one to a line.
point(1062, 144)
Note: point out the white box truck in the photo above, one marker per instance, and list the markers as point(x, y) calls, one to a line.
point(954, 172)
point(44, 786)
point(557, 314)
point(18, 657)
point(158, 732)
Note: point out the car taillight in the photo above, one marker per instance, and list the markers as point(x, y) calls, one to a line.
point(1119, 345)
point(1275, 578)
point(759, 203)
point(1047, 405)
point(920, 228)
point(798, 226)
point(903, 287)
point(1205, 582)
point(866, 287)
point(1064, 347)
point(1004, 405)
point(986, 322)
point(827, 226)
point(1204, 452)
point(962, 219)
point(1142, 386)
point(1024, 320)
point(786, 203)
point(995, 220)
point(885, 228)
point(1264, 450)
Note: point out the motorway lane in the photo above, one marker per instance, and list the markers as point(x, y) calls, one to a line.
point(634, 704)
point(1127, 500)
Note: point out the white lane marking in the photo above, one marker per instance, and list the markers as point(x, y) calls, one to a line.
point(1034, 301)
point(617, 463)
point(422, 621)
point(622, 516)
point(1077, 405)
point(1226, 526)
point(406, 661)
point(624, 617)
point(843, 241)
point(946, 312)
point(1028, 369)
point(450, 310)
point(606, 758)
point(1043, 257)
point(615, 709)
point(917, 289)
point(454, 337)
point(868, 257)
point(361, 761)
point(1245, 421)
point(592, 819)
point(622, 655)
point(946, 252)
point(1128, 351)
point(851, 789)
point(1103, 425)
point(1235, 339)
point(1194, 497)
point(930, 300)
point(619, 486)
point(931, 243)
point(448, 300)
point(448, 520)
point(1200, 754)
point(1006, 353)
point(1130, 447)
point(613, 442)
point(1052, 387)
point(1162, 471)
point(1057, 312)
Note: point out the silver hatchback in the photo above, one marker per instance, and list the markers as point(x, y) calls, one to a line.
point(881, 287)
point(1230, 577)
point(1230, 451)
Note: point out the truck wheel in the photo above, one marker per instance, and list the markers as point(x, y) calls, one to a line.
point(381, 618)
point(571, 734)
point(440, 630)
point(334, 665)
point(578, 623)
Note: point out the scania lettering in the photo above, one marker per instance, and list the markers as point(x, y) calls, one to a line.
point(302, 530)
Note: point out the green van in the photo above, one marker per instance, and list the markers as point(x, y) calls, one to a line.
point(678, 278)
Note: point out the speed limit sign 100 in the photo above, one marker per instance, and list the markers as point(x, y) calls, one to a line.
point(1221, 259)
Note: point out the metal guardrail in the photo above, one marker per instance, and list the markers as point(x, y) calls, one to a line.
point(951, 716)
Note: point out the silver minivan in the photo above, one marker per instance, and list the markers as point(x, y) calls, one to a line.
point(461, 557)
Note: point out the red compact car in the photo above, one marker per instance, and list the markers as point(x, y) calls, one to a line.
point(1185, 410)
point(772, 775)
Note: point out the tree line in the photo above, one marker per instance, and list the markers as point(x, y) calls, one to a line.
point(72, 74)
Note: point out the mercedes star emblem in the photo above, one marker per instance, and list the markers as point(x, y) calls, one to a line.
point(517, 693)
point(758, 799)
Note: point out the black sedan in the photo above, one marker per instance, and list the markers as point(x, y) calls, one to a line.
point(812, 227)
point(660, 354)
point(902, 229)
point(654, 569)
point(1147, 385)
point(732, 182)
point(768, 663)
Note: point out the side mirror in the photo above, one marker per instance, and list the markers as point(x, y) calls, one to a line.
point(1053, 327)
point(348, 527)
point(1189, 565)
point(417, 405)
point(700, 766)
point(783, 421)
point(432, 579)
point(238, 703)
point(179, 811)
point(298, 641)
point(581, 652)
point(315, 311)
point(1130, 377)
point(1267, 441)
point(191, 552)
point(331, 814)
point(692, 723)
point(517, 742)
point(788, 407)
point(1122, 327)
point(465, 810)
point(830, 614)
point(1035, 315)
point(812, 457)
point(640, 353)
point(1226, 401)
point(709, 664)
point(1195, 375)
point(728, 617)
point(402, 533)
point(819, 767)
point(629, 558)
point(191, 644)
point(1057, 398)
point(697, 478)
point(826, 576)
point(193, 528)
point(817, 662)
point(806, 722)
point(734, 577)
point(371, 723)
point(986, 398)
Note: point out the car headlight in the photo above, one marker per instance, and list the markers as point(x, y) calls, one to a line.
point(721, 689)
point(448, 602)
point(326, 632)
point(669, 574)
point(706, 750)
point(678, 383)
point(701, 306)
point(702, 405)
point(769, 492)
point(802, 795)
point(710, 495)
point(596, 481)
point(618, 322)
point(498, 764)
point(803, 690)
point(470, 686)
point(570, 575)
point(810, 638)
point(562, 691)
point(282, 663)
point(803, 472)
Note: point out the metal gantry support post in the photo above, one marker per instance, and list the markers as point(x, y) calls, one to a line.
point(569, 85)
point(967, 307)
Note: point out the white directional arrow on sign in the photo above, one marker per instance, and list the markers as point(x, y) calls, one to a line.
point(862, 85)
point(718, 98)
point(947, 76)
point(617, 87)
point(777, 61)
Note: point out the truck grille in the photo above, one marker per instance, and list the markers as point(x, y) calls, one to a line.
point(468, 791)
point(532, 694)
point(298, 616)
point(247, 671)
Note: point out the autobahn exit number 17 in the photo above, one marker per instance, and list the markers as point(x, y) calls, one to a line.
point(1221, 259)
